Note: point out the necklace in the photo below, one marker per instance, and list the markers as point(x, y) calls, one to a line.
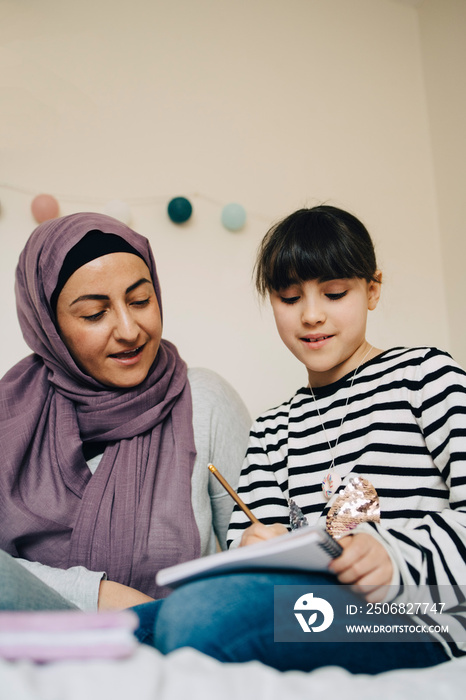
point(332, 480)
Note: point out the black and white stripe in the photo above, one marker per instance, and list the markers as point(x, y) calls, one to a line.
point(404, 430)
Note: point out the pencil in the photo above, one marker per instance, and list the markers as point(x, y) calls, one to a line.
point(233, 494)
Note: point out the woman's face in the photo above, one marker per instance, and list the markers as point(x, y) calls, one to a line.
point(109, 319)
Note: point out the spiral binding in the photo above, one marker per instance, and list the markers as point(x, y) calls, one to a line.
point(331, 546)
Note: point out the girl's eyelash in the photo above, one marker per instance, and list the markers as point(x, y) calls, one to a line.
point(143, 302)
point(339, 295)
point(289, 300)
point(332, 296)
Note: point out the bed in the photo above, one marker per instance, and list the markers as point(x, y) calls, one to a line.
point(186, 673)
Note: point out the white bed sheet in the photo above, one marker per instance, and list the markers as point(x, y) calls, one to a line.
point(147, 675)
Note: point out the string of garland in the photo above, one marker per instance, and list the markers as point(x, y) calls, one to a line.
point(179, 209)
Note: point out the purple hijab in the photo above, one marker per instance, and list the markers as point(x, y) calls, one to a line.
point(132, 517)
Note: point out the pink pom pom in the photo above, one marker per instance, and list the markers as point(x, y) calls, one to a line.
point(44, 207)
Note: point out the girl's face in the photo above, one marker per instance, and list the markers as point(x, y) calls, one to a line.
point(109, 319)
point(324, 324)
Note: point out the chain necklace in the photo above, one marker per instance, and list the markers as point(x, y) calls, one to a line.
point(332, 480)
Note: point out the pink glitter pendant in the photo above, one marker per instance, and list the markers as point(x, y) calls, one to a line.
point(330, 484)
point(357, 503)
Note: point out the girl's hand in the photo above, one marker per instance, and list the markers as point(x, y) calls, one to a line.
point(365, 565)
point(258, 532)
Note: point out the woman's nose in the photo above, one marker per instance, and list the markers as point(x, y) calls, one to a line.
point(126, 328)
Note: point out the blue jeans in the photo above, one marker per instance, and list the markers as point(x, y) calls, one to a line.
point(148, 614)
point(231, 618)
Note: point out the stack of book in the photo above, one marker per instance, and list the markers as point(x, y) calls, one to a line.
point(54, 636)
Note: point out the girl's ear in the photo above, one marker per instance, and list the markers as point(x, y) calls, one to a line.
point(373, 290)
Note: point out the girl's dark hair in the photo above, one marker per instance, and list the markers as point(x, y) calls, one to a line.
point(320, 243)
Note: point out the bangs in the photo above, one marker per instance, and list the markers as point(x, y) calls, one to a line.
point(308, 248)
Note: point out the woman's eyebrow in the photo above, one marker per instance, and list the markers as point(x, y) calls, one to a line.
point(143, 280)
point(93, 297)
point(105, 297)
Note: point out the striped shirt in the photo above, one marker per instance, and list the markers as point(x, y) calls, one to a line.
point(403, 429)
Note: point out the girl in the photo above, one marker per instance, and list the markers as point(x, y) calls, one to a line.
point(104, 432)
point(389, 424)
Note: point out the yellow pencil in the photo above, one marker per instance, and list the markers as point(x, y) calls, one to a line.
point(233, 494)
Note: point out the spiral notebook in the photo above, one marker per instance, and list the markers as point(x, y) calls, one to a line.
point(306, 549)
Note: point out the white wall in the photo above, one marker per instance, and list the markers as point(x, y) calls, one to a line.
point(443, 39)
point(276, 104)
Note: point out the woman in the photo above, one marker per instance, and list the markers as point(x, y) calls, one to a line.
point(105, 434)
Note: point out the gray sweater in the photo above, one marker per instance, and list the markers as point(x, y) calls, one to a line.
point(221, 425)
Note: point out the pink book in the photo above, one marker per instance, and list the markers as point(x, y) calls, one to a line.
point(57, 635)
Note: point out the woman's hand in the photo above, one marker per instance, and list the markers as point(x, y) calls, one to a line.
point(116, 596)
point(259, 532)
point(365, 565)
